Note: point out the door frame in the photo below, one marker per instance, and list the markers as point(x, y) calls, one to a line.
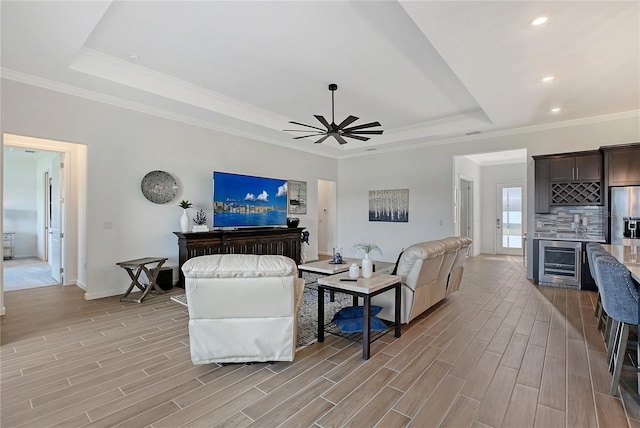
point(471, 209)
point(71, 257)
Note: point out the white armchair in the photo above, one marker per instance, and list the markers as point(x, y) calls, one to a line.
point(242, 307)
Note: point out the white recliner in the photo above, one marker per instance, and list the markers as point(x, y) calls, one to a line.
point(242, 307)
point(430, 271)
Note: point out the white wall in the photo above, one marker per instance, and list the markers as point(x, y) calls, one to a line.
point(20, 204)
point(491, 177)
point(121, 147)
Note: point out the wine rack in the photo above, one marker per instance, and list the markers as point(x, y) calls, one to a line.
point(576, 193)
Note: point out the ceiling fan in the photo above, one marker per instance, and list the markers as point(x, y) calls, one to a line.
point(337, 131)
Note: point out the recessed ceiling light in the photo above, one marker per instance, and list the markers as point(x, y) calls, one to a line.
point(548, 78)
point(555, 110)
point(371, 149)
point(539, 21)
point(133, 57)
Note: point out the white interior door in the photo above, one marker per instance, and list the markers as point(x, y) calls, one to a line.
point(56, 216)
point(45, 216)
point(509, 219)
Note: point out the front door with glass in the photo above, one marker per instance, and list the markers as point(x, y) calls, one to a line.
point(509, 220)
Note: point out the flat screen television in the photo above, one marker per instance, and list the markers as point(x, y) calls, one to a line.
point(246, 200)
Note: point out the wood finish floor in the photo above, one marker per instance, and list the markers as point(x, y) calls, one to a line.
point(499, 353)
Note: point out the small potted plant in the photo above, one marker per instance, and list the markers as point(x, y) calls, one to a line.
point(200, 222)
point(184, 218)
point(367, 264)
point(367, 248)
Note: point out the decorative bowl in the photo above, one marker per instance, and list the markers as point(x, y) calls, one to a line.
point(293, 222)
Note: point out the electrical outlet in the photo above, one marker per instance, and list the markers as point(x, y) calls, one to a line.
point(107, 225)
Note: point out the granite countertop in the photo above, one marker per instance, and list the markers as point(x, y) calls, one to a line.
point(568, 237)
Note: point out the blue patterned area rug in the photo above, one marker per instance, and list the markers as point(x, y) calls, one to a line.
point(308, 315)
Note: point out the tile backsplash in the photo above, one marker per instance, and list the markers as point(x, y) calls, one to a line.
point(559, 220)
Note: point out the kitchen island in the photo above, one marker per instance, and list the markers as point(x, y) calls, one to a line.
point(628, 256)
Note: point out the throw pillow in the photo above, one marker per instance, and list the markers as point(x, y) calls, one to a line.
point(352, 325)
point(355, 312)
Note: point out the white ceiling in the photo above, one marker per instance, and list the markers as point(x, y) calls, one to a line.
point(430, 72)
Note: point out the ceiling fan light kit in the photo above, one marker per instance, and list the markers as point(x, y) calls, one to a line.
point(339, 132)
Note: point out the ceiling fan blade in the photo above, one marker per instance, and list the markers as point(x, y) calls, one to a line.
point(348, 121)
point(357, 137)
point(339, 139)
point(303, 124)
point(323, 121)
point(366, 125)
point(310, 135)
point(322, 139)
point(376, 132)
point(304, 130)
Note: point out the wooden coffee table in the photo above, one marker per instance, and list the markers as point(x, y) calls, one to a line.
point(364, 288)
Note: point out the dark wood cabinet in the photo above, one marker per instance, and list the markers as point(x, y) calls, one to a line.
point(589, 167)
point(279, 241)
point(568, 179)
point(562, 168)
point(579, 167)
point(542, 185)
point(622, 164)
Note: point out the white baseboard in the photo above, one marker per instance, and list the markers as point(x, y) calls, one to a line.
point(104, 293)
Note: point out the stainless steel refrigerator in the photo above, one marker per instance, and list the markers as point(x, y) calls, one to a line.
point(625, 213)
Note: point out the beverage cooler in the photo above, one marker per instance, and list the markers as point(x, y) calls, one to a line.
point(560, 263)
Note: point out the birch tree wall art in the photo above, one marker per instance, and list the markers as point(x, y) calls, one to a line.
point(389, 205)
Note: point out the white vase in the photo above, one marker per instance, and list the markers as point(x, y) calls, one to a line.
point(367, 266)
point(184, 221)
point(354, 271)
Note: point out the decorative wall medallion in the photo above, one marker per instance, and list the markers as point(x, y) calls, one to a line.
point(159, 187)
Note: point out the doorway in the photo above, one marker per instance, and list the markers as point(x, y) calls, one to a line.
point(466, 210)
point(71, 198)
point(33, 214)
point(509, 219)
point(327, 217)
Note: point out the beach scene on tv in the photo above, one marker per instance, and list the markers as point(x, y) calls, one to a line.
point(244, 200)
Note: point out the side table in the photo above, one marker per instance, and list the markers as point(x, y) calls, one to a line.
point(134, 268)
point(327, 267)
point(364, 288)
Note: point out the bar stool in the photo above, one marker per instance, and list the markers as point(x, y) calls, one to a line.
point(620, 299)
point(595, 249)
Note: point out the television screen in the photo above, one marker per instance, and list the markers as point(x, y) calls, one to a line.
point(244, 200)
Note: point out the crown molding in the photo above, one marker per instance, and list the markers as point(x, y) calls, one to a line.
point(145, 109)
point(339, 153)
point(504, 132)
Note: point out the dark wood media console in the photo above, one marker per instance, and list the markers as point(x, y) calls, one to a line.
point(263, 240)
